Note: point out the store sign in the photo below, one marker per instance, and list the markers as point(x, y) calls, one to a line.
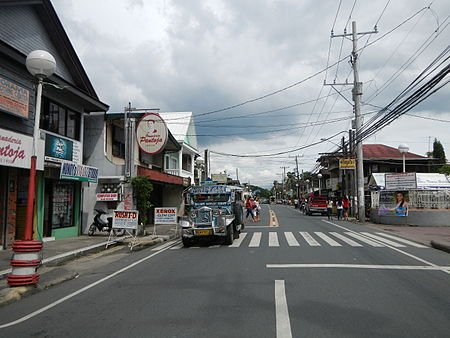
point(347, 163)
point(403, 181)
point(219, 178)
point(16, 150)
point(108, 196)
point(78, 172)
point(152, 134)
point(165, 215)
point(13, 98)
point(125, 219)
point(59, 149)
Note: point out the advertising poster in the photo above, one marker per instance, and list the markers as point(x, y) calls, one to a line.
point(165, 215)
point(58, 148)
point(125, 219)
point(393, 203)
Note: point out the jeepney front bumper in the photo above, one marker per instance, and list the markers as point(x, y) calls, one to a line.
point(217, 227)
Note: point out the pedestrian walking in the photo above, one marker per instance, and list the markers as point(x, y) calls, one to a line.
point(330, 209)
point(296, 203)
point(340, 209)
point(346, 205)
point(256, 209)
point(249, 206)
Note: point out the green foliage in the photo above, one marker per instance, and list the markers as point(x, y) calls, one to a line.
point(445, 169)
point(142, 191)
point(438, 152)
point(258, 191)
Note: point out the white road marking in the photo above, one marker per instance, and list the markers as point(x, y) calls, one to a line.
point(402, 240)
point(256, 240)
point(163, 246)
point(398, 250)
point(273, 239)
point(214, 246)
point(345, 239)
point(283, 322)
point(309, 239)
point(361, 266)
point(327, 239)
point(383, 240)
point(175, 247)
point(238, 242)
point(87, 287)
point(291, 239)
point(364, 239)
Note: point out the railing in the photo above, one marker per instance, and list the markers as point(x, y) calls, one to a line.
point(176, 172)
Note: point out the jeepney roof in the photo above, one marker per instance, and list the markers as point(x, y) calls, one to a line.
point(213, 189)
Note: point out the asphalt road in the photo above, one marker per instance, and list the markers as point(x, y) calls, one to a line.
point(304, 278)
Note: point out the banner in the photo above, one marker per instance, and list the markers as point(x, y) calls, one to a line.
point(403, 181)
point(347, 163)
point(78, 172)
point(107, 196)
point(393, 203)
point(13, 98)
point(16, 150)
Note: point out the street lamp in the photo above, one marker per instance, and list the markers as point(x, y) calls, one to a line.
point(298, 192)
point(319, 176)
point(40, 64)
point(307, 185)
point(403, 148)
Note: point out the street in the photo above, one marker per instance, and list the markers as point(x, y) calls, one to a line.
point(306, 277)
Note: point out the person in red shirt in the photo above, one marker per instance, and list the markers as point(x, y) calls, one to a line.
point(346, 205)
point(249, 206)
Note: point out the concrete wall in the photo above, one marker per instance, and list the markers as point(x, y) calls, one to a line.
point(415, 218)
point(173, 197)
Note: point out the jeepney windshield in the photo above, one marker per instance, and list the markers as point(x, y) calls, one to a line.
point(198, 198)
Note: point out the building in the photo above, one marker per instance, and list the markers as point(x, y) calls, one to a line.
point(105, 149)
point(68, 96)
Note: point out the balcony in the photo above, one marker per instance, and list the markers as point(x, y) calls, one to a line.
point(175, 172)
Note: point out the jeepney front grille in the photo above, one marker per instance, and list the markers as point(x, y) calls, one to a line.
point(203, 217)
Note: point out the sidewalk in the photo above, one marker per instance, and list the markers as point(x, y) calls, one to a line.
point(436, 237)
point(58, 251)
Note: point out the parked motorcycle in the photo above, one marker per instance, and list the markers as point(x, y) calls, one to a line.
point(100, 224)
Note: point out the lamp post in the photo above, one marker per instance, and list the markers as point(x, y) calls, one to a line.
point(199, 161)
point(26, 258)
point(298, 191)
point(307, 186)
point(319, 176)
point(403, 148)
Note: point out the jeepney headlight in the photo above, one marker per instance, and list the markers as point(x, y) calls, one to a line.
point(193, 214)
point(185, 224)
point(216, 212)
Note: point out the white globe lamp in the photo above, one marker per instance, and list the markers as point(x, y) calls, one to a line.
point(403, 148)
point(40, 63)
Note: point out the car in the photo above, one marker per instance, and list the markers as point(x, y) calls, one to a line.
point(316, 205)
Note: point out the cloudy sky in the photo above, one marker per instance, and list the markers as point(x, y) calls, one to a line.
point(204, 56)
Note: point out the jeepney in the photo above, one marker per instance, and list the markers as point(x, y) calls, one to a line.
point(213, 212)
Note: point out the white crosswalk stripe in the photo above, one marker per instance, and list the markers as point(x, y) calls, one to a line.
point(349, 241)
point(402, 240)
point(256, 240)
point(273, 239)
point(309, 239)
point(383, 240)
point(293, 240)
point(327, 239)
point(290, 238)
point(364, 239)
point(238, 241)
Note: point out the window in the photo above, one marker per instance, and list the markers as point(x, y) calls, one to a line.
point(60, 120)
point(118, 141)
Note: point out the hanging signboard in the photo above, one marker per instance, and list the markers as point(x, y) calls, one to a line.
point(165, 215)
point(219, 178)
point(59, 149)
point(125, 219)
point(107, 196)
point(13, 98)
point(152, 134)
point(403, 181)
point(78, 172)
point(347, 163)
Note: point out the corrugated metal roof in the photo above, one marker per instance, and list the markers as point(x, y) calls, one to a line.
point(374, 151)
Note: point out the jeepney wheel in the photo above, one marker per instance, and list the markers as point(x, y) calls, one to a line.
point(186, 242)
point(230, 235)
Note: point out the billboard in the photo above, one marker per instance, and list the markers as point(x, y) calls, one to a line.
point(403, 181)
point(125, 219)
point(165, 215)
point(14, 99)
point(393, 203)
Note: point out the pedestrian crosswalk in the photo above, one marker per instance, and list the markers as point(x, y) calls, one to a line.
point(275, 239)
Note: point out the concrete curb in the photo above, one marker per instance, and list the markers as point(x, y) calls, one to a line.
point(441, 246)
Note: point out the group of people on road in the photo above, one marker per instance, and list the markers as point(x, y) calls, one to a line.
point(253, 208)
point(342, 206)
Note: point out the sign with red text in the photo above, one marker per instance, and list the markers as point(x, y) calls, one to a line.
point(165, 215)
point(14, 99)
point(125, 219)
point(16, 150)
point(152, 134)
point(107, 196)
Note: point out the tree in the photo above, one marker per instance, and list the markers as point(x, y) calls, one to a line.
point(445, 169)
point(142, 191)
point(438, 152)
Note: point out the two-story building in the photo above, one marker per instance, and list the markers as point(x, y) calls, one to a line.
point(68, 96)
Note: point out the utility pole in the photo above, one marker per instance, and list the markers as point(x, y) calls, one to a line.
point(357, 93)
point(284, 176)
point(206, 164)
